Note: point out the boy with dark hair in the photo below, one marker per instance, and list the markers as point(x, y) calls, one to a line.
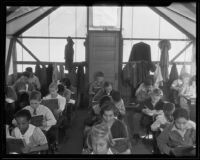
point(33, 137)
point(106, 90)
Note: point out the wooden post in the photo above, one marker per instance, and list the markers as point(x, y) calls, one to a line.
point(9, 56)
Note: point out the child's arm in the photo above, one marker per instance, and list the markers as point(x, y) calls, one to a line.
point(155, 125)
point(162, 141)
point(91, 89)
point(50, 119)
point(40, 140)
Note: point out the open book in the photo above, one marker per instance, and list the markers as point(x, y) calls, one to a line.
point(185, 151)
point(121, 144)
point(14, 145)
point(52, 104)
point(37, 120)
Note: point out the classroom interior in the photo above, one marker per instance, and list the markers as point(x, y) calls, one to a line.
point(128, 47)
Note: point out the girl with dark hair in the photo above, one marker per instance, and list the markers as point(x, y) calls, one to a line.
point(179, 138)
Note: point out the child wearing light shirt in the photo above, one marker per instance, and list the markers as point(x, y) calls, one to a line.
point(53, 89)
point(33, 137)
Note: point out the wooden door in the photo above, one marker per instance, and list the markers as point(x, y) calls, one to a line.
point(104, 55)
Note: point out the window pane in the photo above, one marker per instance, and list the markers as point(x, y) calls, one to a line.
point(39, 29)
point(69, 21)
point(39, 47)
point(140, 22)
point(185, 56)
point(63, 22)
point(106, 16)
point(169, 31)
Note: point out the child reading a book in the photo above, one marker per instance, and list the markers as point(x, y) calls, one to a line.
point(165, 118)
point(33, 137)
point(53, 89)
point(100, 140)
point(181, 133)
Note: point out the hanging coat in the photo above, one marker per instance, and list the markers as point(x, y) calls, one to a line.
point(43, 81)
point(164, 46)
point(69, 54)
point(62, 74)
point(173, 74)
point(80, 79)
point(140, 51)
point(183, 71)
point(158, 76)
point(49, 73)
point(55, 75)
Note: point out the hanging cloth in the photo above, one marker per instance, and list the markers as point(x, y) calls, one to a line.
point(140, 52)
point(55, 75)
point(173, 74)
point(183, 71)
point(80, 79)
point(69, 54)
point(43, 81)
point(164, 46)
point(49, 73)
point(62, 74)
point(158, 76)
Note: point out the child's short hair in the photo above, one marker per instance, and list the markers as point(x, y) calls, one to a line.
point(107, 83)
point(29, 69)
point(99, 74)
point(53, 85)
point(104, 99)
point(61, 89)
point(108, 106)
point(168, 107)
point(181, 113)
point(99, 131)
point(116, 96)
point(26, 74)
point(23, 113)
point(157, 92)
point(35, 95)
point(66, 82)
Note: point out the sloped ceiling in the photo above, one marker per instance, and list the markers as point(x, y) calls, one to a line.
point(181, 15)
point(22, 17)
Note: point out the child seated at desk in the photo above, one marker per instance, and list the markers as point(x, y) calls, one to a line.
point(53, 89)
point(119, 103)
point(165, 118)
point(36, 108)
point(181, 133)
point(34, 138)
point(99, 140)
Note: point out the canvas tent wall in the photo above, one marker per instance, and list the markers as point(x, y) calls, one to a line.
point(180, 15)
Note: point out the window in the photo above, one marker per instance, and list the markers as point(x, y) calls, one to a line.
point(105, 17)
